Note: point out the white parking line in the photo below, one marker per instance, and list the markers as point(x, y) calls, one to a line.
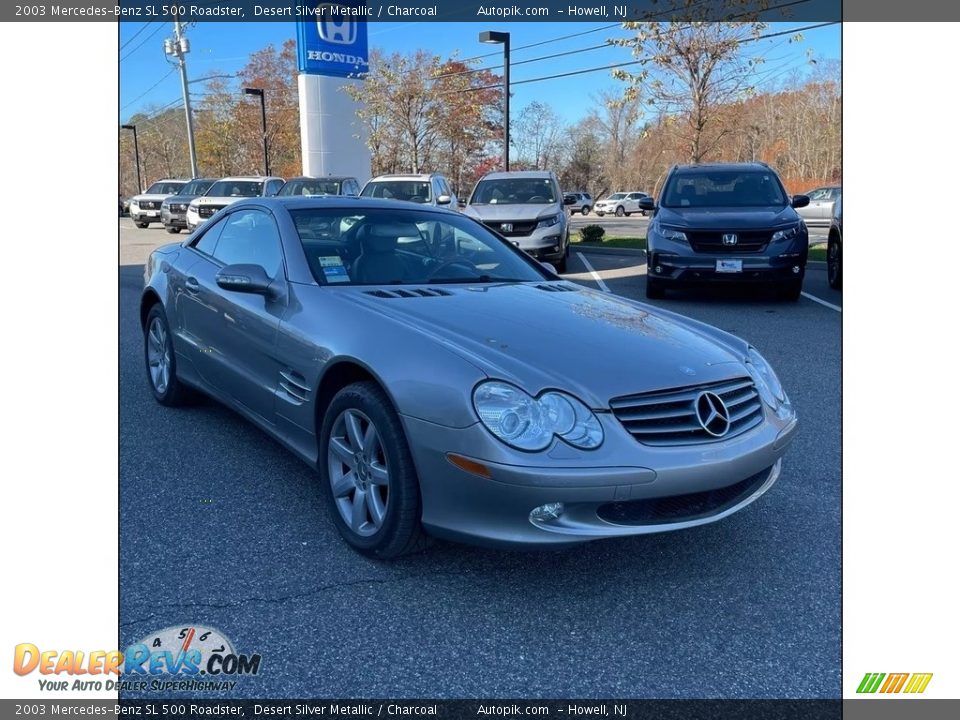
point(593, 273)
point(822, 302)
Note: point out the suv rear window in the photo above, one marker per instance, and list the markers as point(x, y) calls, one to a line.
point(412, 190)
point(724, 188)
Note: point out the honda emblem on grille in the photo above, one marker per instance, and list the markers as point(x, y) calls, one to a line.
point(730, 239)
point(506, 227)
point(712, 414)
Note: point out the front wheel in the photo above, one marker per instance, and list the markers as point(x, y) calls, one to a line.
point(620, 212)
point(173, 230)
point(584, 210)
point(790, 290)
point(142, 225)
point(368, 476)
point(600, 214)
point(835, 265)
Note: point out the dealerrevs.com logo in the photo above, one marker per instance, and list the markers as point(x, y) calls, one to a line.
point(178, 658)
point(910, 683)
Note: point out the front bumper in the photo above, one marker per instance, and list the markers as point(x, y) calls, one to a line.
point(694, 269)
point(145, 215)
point(173, 218)
point(624, 488)
point(547, 247)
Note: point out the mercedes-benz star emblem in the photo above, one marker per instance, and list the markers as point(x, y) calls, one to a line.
point(730, 239)
point(713, 415)
point(506, 227)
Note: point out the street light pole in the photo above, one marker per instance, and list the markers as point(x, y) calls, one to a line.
point(136, 153)
point(263, 123)
point(498, 38)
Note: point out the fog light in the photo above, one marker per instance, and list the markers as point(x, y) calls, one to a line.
point(796, 269)
point(658, 269)
point(546, 513)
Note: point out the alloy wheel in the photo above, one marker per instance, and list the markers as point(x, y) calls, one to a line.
point(359, 476)
point(158, 356)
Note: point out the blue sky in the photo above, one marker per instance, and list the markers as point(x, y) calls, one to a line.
point(224, 47)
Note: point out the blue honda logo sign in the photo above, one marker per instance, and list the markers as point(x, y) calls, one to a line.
point(333, 41)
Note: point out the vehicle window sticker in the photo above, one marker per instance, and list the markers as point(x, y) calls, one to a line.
point(333, 269)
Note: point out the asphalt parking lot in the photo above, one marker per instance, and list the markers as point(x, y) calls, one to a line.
point(220, 526)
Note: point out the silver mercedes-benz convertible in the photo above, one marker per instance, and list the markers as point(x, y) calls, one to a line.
point(443, 383)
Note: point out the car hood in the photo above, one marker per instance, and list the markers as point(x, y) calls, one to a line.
point(214, 200)
point(585, 342)
point(182, 198)
point(727, 218)
point(149, 197)
point(511, 212)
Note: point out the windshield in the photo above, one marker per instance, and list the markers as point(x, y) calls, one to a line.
point(411, 190)
point(164, 188)
point(236, 188)
point(195, 187)
point(617, 196)
point(406, 247)
point(514, 191)
point(310, 187)
point(724, 188)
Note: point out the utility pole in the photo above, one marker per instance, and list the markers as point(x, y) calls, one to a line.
point(178, 47)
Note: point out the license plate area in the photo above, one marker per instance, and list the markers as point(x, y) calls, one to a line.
point(729, 266)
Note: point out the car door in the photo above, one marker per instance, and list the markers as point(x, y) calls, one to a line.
point(237, 331)
point(820, 206)
point(632, 202)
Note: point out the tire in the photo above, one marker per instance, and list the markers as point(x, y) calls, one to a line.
point(142, 225)
point(561, 265)
point(835, 265)
point(385, 492)
point(790, 290)
point(161, 360)
point(600, 214)
point(584, 210)
point(620, 212)
point(173, 230)
point(655, 289)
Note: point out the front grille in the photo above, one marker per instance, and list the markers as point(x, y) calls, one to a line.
point(680, 508)
point(669, 417)
point(206, 211)
point(149, 204)
point(712, 242)
point(519, 227)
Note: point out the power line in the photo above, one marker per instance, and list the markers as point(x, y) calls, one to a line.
point(148, 89)
point(142, 42)
point(134, 37)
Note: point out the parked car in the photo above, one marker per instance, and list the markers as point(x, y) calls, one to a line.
point(621, 204)
point(820, 209)
point(726, 222)
point(145, 207)
point(424, 189)
point(173, 210)
point(227, 191)
point(527, 208)
point(437, 394)
point(331, 185)
point(581, 202)
point(835, 247)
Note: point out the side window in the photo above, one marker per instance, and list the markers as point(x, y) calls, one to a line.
point(207, 243)
point(273, 187)
point(445, 187)
point(250, 236)
point(819, 195)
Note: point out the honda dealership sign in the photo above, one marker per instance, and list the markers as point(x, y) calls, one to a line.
point(334, 40)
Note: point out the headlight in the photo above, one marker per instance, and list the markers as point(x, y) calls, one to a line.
point(785, 234)
point(528, 423)
point(671, 234)
point(548, 221)
point(135, 203)
point(768, 384)
point(193, 209)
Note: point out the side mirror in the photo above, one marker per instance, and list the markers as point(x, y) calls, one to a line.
point(245, 279)
point(549, 268)
point(799, 201)
point(646, 203)
point(443, 199)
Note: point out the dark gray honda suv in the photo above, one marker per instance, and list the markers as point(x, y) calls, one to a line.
point(725, 222)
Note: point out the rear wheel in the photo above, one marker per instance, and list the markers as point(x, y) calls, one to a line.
point(585, 210)
point(368, 476)
point(161, 360)
point(835, 265)
point(620, 212)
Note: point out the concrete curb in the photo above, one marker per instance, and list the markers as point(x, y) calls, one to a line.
point(587, 248)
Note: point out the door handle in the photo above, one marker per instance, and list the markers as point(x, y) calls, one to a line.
point(193, 287)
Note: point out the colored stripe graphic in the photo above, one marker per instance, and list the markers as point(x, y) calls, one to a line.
point(918, 682)
point(894, 682)
point(870, 682)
